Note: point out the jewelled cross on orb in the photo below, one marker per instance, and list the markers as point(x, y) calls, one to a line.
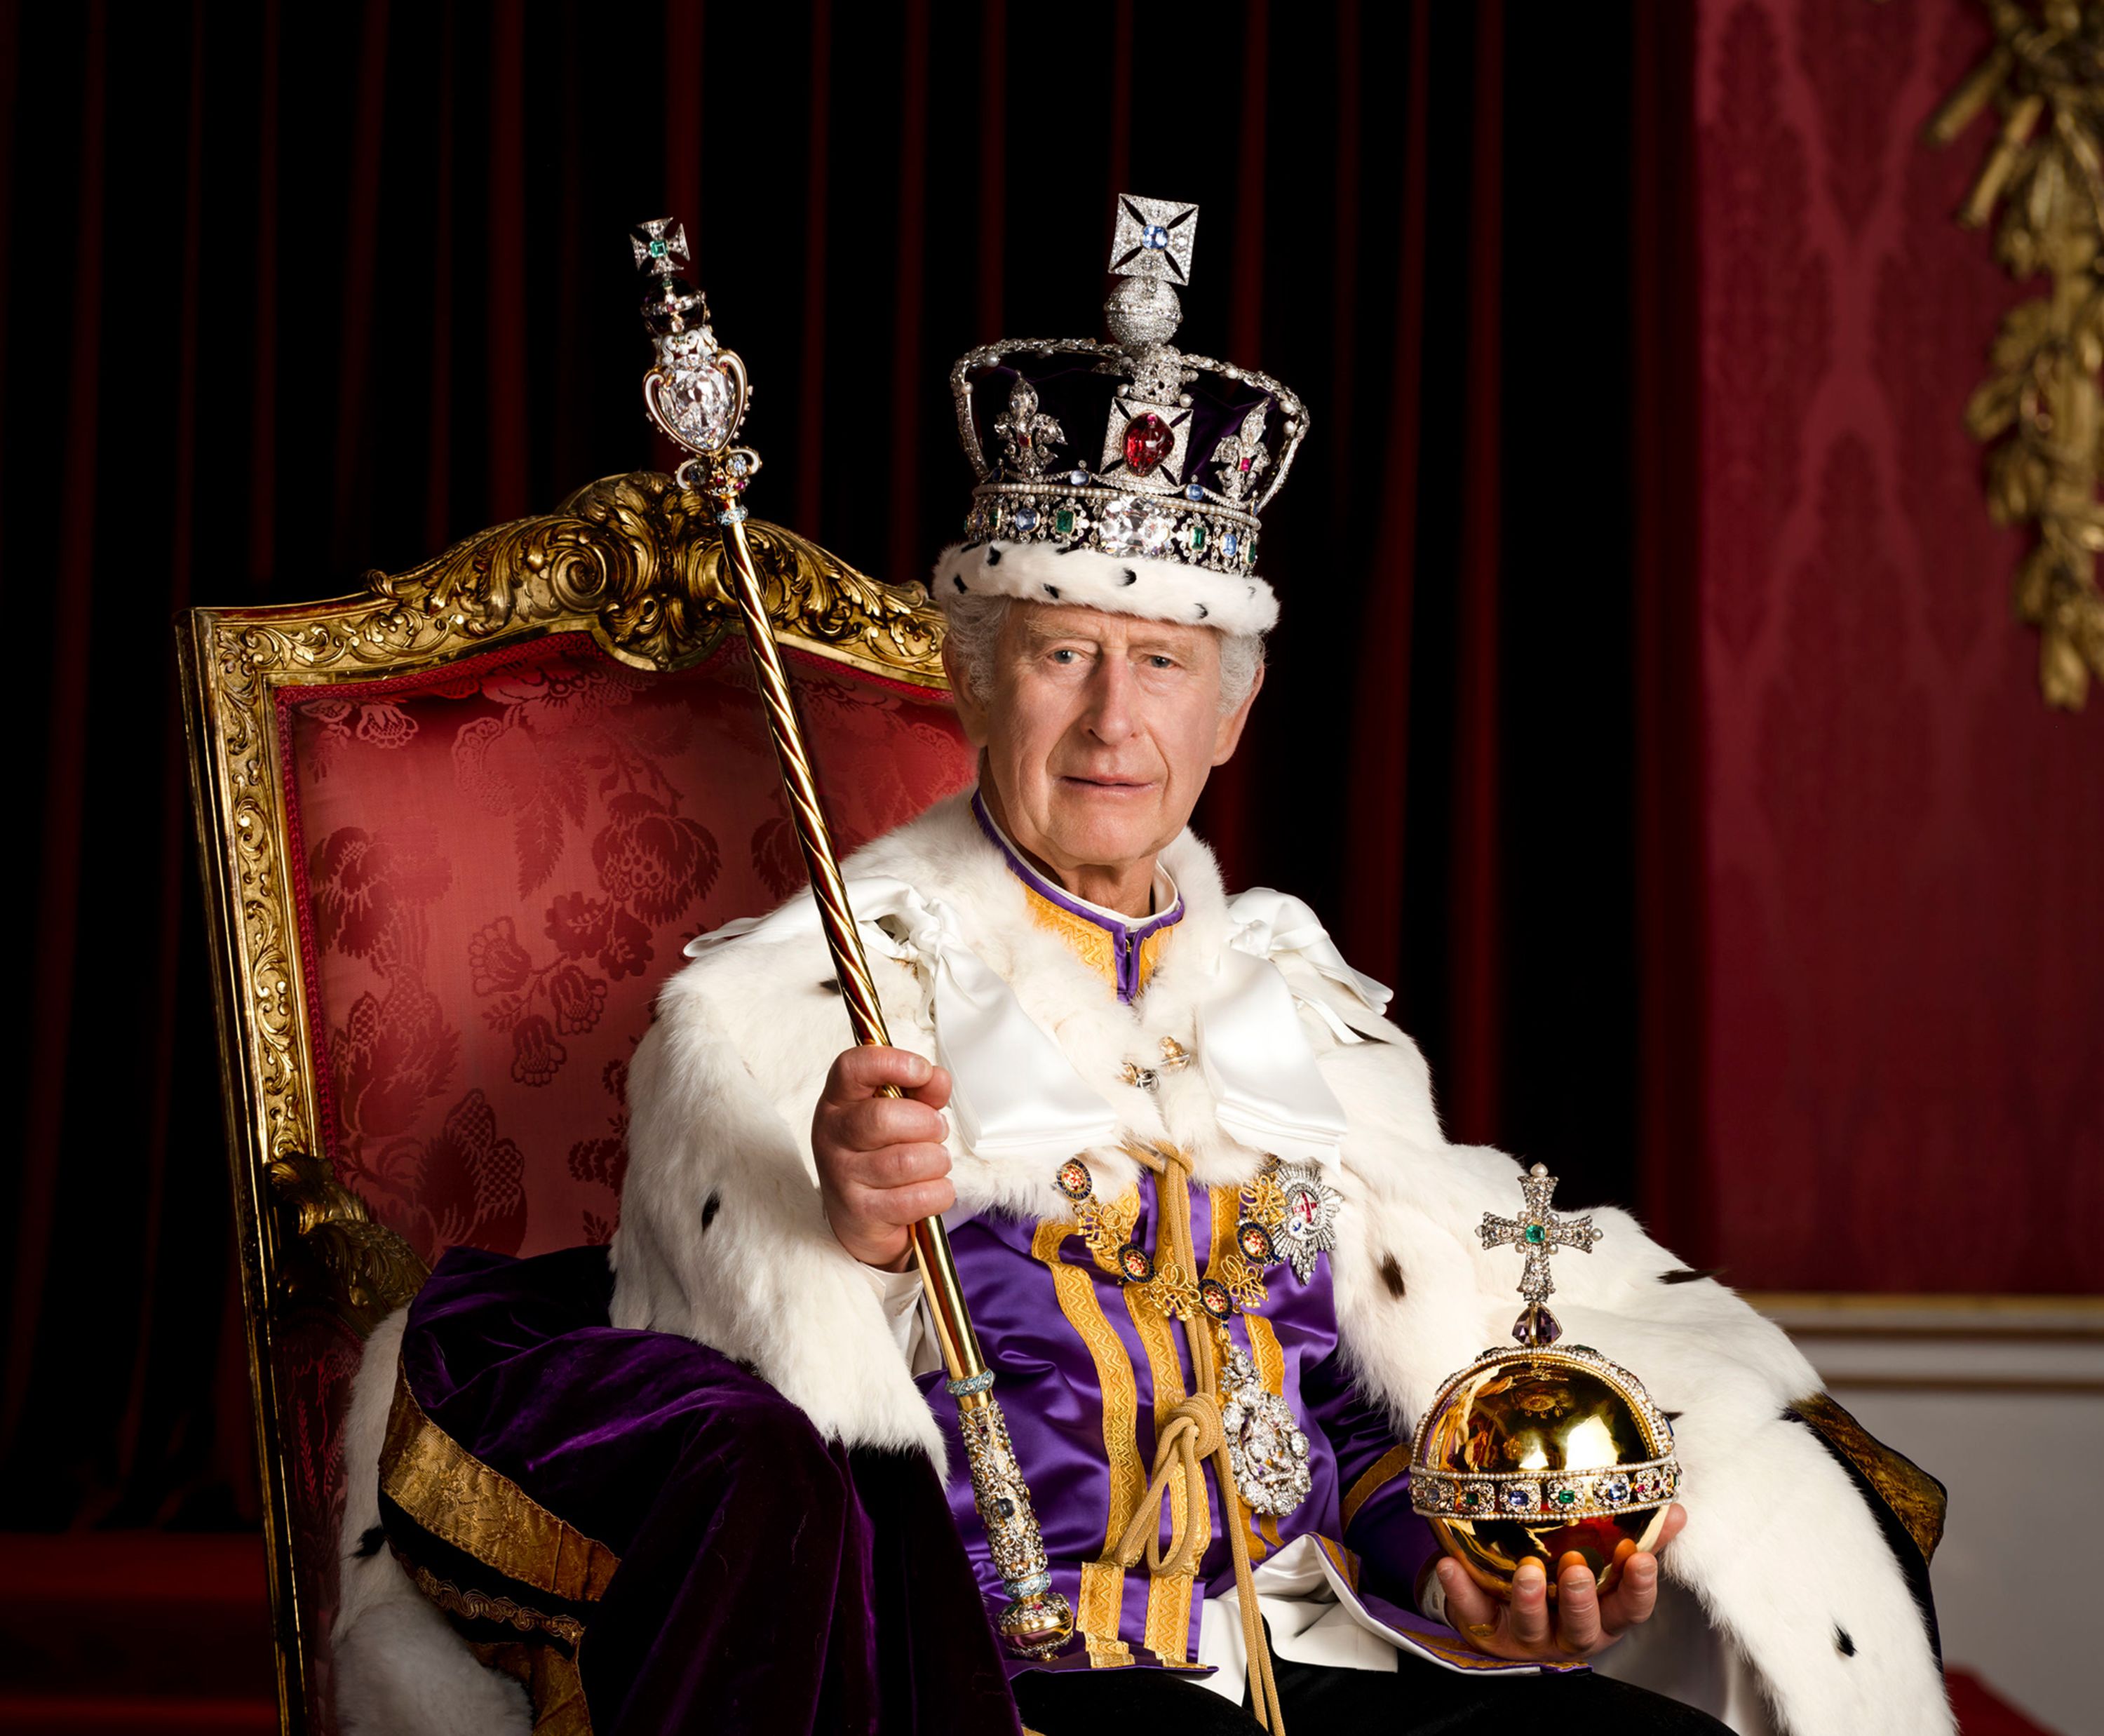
point(1538, 1233)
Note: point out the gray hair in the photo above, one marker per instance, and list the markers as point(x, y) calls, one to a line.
point(974, 630)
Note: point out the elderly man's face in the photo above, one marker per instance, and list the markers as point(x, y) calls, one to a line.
point(1099, 735)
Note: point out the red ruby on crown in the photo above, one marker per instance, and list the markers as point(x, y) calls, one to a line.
point(1148, 439)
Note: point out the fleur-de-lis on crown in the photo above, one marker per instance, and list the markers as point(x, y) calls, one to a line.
point(1239, 459)
point(1026, 435)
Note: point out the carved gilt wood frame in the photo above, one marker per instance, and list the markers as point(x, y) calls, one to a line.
point(632, 560)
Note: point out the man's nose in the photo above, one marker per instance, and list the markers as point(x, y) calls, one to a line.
point(1109, 717)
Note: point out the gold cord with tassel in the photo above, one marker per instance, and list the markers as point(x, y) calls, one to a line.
point(1193, 1434)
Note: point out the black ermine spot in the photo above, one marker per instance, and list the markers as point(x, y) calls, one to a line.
point(829, 985)
point(1130, 577)
point(1053, 592)
point(1688, 1274)
point(1391, 1276)
point(710, 1206)
point(958, 580)
point(993, 555)
point(1842, 1643)
point(1203, 611)
point(373, 1541)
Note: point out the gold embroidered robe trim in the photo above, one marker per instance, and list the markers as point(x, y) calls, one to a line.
point(461, 1502)
point(1917, 1499)
point(549, 1675)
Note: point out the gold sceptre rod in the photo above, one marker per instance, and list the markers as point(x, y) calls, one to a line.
point(696, 393)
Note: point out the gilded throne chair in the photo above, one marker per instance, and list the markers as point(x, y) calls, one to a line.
point(455, 830)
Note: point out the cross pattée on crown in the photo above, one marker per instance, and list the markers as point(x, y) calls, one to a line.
point(1153, 238)
point(1538, 1233)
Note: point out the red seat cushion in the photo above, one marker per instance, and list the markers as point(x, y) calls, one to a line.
point(499, 862)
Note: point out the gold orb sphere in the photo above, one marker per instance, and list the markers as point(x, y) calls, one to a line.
point(1545, 1452)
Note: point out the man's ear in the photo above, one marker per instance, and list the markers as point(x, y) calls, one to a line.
point(971, 713)
point(1228, 737)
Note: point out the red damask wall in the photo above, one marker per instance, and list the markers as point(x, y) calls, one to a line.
point(1905, 873)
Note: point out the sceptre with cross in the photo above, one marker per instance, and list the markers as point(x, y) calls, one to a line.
point(696, 392)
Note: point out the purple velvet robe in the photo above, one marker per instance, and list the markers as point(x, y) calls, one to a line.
point(767, 1581)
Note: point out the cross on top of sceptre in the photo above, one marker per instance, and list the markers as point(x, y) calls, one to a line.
point(1538, 1233)
point(660, 245)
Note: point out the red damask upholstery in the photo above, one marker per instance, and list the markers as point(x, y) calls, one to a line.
point(500, 865)
point(495, 866)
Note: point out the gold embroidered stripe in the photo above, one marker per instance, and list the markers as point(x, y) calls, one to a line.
point(1103, 1584)
point(1383, 1471)
point(1103, 1653)
point(480, 1512)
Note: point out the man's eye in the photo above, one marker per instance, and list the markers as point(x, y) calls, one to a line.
point(1159, 661)
point(1064, 655)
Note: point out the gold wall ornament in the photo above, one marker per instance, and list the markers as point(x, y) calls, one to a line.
point(635, 562)
point(2041, 413)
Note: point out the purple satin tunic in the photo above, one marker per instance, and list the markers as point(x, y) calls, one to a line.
point(1085, 1364)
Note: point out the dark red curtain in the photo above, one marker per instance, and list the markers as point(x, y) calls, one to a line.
point(290, 292)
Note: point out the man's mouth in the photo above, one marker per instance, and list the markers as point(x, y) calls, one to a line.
point(1109, 784)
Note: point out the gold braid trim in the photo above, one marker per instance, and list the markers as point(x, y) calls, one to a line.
point(482, 1513)
point(1103, 1582)
point(477, 1607)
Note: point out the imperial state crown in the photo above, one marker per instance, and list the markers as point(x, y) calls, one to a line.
point(1544, 1450)
point(1127, 474)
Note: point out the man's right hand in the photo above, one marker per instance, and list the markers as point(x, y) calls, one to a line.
point(882, 1163)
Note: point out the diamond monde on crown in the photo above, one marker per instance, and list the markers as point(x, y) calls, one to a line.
point(1138, 492)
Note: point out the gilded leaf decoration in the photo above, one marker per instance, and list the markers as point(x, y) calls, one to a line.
point(2041, 411)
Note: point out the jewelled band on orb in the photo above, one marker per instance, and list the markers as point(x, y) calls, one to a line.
point(1534, 1495)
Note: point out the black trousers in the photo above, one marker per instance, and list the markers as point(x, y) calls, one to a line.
point(1419, 1699)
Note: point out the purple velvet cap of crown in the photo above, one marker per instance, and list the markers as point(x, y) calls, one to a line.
point(1077, 392)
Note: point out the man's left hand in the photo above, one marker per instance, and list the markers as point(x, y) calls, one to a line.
point(1582, 1624)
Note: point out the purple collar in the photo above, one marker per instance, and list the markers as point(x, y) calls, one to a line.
point(1127, 938)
